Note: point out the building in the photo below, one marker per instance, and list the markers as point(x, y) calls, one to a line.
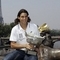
point(1, 18)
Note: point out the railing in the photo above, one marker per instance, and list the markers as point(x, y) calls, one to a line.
point(6, 47)
point(4, 40)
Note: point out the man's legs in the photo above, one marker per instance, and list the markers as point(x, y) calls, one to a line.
point(15, 55)
point(11, 55)
point(31, 57)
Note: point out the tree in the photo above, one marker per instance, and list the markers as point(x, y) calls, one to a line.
point(6, 29)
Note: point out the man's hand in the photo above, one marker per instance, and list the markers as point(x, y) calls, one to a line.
point(30, 46)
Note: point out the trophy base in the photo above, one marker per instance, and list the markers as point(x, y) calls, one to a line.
point(32, 52)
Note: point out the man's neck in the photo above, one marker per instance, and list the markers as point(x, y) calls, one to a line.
point(24, 26)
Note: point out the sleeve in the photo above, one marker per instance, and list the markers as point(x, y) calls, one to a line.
point(13, 35)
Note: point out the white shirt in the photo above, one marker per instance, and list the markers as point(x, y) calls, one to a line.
point(18, 33)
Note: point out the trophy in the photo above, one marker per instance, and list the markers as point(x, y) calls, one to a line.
point(35, 41)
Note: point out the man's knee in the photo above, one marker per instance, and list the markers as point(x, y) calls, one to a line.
point(33, 58)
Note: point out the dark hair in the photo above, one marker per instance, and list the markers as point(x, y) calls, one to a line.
point(18, 15)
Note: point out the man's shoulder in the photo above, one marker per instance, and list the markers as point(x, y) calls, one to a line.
point(15, 27)
point(33, 24)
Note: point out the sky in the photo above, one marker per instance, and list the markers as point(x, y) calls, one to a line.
point(40, 11)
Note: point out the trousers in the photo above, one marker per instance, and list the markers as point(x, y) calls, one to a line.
point(19, 55)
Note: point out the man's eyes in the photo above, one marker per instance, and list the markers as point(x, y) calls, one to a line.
point(23, 16)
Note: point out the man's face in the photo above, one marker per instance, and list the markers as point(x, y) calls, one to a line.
point(23, 18)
